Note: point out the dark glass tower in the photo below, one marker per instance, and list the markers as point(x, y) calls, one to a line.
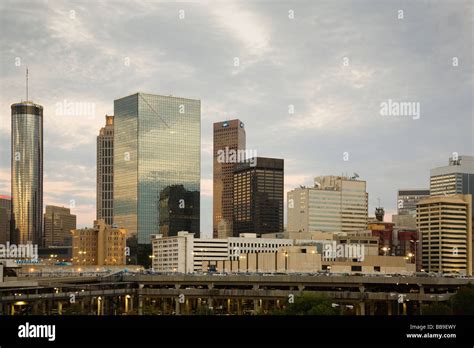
point(157, 144)
point(258, 197)
point(27, 172)
point(179, 211)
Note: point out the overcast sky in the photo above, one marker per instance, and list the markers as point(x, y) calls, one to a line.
point(334, 61)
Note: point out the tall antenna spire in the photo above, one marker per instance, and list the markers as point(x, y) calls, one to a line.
point(26, 83)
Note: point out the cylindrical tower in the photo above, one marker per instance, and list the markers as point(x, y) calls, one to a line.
point(27, 172)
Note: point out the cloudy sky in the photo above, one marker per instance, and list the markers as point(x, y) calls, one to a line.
point(334, 62)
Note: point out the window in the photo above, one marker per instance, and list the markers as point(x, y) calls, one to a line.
point(377, 268)
point(356, 268)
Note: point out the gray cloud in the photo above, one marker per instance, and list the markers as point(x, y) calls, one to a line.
point(282, 62)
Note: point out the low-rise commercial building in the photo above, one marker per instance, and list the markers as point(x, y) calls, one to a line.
point(100, 245)
point(184, 253)
point(306, 259)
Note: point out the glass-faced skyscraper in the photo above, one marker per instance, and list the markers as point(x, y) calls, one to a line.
point(27, 172)
point(157, 144)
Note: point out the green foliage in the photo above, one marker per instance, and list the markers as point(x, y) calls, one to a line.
point(309, 304)
point(204, 310)
point(72, 309)
point(463, 302)
point(436, 308)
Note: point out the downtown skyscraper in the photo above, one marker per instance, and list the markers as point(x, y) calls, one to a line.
point(27, 172)
point(258, 196)
point(228, 136)
point(105, 172)
point(157, 145)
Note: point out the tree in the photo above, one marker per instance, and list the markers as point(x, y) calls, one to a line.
point(463, 302)
point(436, 308)
point(309, 304)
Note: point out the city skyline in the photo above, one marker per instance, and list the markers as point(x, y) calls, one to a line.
point(336, 107)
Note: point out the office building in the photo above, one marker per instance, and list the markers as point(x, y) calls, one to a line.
point(406, 220)
point(58, 224)
point(209, 249)
point(5, 218)
point(334, 204)
point(184, 253)
point(306, 259)
point(105, 172)
point(173, 254)
point(229, 136)
point(455, 178)
point(407, 200)
point(258, 196)
point(157, 143)
point(179, 211)
point(445, 224)
point(250, 243)
point(101, 245)
point(27, 172)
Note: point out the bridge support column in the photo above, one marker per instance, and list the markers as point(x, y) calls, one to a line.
point(140, 299)
point(35, 308)
point(389, 307)
point(361, 308)
point(60, 308)
point(177, 306)
point(372, 308)
point(420, 303)
point(210, 303)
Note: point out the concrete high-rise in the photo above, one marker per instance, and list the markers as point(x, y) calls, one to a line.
point(27, 172)
point(58, 223)
point(455, 178)
point(258, 196)
point(157, 144)
point(229, 137)
point(5, 218)
point(334, 204)
point(105, 172)
point(445, 224)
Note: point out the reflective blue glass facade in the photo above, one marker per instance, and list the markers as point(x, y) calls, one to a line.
point(157, 144)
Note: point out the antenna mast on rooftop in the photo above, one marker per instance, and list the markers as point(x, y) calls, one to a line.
point(27, 83)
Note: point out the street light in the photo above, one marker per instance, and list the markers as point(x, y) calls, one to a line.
point(385, 250)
